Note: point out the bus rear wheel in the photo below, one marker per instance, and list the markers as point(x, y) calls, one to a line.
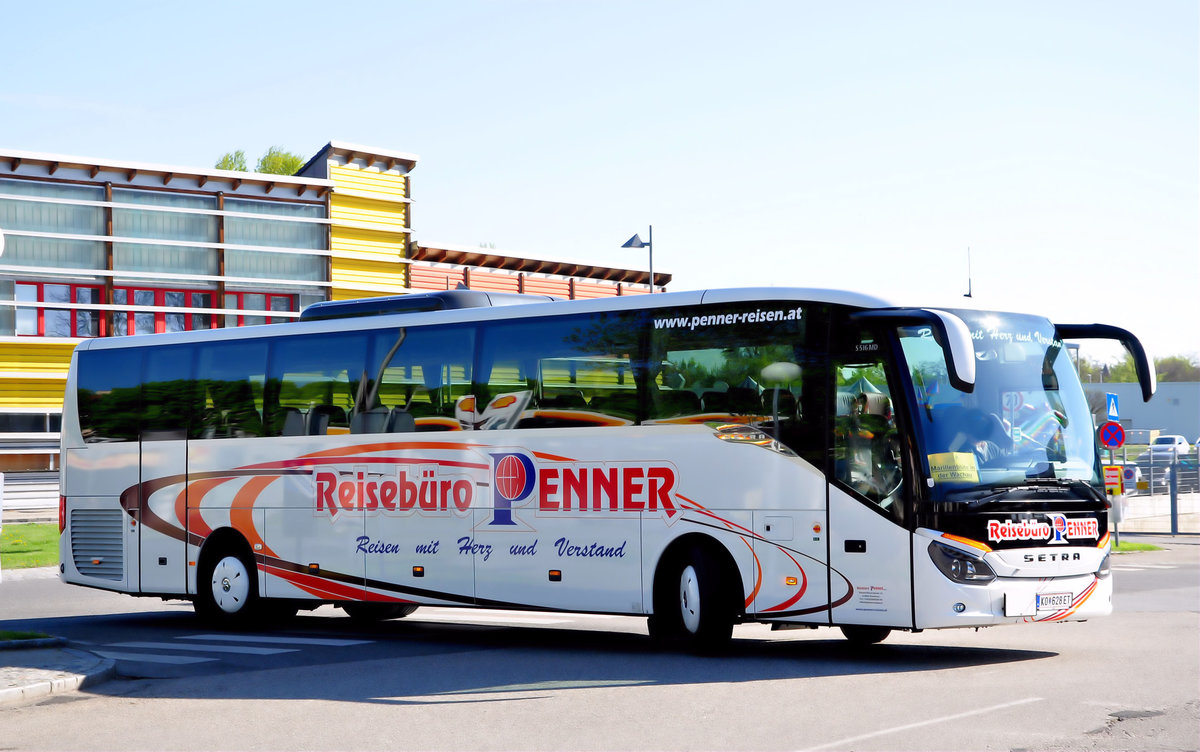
point(692, 604)
point(360, 611)
point(859, 634)
point(227, 589)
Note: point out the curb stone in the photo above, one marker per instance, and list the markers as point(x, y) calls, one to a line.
point(31, 684)
point(38, 642)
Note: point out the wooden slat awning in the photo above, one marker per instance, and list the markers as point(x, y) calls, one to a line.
point(490, 260)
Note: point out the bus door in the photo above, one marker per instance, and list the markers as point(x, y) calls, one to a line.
point(869, 543)
point(168, 394)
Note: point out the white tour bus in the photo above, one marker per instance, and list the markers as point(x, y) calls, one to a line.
point(788, 456)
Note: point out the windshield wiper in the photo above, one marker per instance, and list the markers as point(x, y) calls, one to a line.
point(1000, 491)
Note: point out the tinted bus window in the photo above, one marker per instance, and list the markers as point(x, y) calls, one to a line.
point(170, 396)
point(230, 377)
point(315, 382)
point(746, 363)
point(109, 389)
point(567, 371)
point(427, 372)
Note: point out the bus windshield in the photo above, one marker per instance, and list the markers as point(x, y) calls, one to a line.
point(1026, 422)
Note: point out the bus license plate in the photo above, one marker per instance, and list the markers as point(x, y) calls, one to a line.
point(1047, 601)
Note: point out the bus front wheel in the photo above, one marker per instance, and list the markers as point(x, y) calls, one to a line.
point(227, 589)
point(863, 635)
point(692, 604)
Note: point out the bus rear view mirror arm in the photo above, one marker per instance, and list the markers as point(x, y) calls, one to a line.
point(949, 330)
point(1141, 362)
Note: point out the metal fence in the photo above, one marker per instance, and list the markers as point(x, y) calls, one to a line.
point(1164, 496)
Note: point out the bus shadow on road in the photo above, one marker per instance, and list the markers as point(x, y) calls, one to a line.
point(425, 661)
point(556, 659)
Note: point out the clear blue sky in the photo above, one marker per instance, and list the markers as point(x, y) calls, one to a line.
point(862, 144)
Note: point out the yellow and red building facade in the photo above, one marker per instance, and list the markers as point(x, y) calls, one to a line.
point(96, 248)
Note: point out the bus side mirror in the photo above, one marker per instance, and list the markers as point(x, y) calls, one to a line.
point(950, 332)
point(1142, 363)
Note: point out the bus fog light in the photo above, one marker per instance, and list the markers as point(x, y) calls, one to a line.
point(960, 566)
point(960, 607)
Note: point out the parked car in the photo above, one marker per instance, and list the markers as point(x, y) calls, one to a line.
point(1166, 448)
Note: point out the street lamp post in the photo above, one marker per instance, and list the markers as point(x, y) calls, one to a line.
point(636, 242)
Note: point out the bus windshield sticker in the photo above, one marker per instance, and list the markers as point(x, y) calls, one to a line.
point(953, 467)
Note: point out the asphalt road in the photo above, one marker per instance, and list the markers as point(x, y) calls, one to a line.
point(457, 680)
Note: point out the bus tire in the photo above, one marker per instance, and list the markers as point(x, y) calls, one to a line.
point(367, 612)
point(227, 588)
point(862, 635)
point(693, 603)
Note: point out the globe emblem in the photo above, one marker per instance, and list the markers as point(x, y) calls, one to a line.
point(510, 478)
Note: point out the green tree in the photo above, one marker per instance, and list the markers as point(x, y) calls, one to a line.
point(276, 161)
point(232, 160)
point(279, 162)
point(1171, 368)
point(1176, 368)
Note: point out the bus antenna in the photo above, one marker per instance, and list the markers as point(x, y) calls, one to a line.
point(968, 272)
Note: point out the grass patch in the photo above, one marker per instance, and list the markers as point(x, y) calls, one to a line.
point(29, 544)
point(1125, 547)
point(7, 634)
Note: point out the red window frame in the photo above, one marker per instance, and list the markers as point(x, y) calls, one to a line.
point(74, 312)
point(269, 299)
point(191, 321)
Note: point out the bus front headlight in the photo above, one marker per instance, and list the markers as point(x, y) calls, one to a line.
point(960, 566)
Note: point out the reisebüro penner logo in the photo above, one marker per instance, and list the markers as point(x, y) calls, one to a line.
point(1059, 530)
point(522, 485)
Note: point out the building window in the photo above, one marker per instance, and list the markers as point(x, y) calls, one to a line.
point(151, 322)
point(201, 320)
point(257, 301)
point(46, 321)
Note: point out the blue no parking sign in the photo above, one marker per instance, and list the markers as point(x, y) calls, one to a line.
point(1112, 435)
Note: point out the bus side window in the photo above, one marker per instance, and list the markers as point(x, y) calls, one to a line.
point(232, 376)
point(321, 377)
point(110, 394)
point(759, 364)
point(560, 372)
point(415, 375)
point(171, 398)
point(866, 443)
